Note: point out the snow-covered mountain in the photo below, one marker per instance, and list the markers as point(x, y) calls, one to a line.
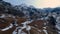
point(30, 12)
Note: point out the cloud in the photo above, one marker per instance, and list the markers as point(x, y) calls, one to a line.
point(37, 3)
point(47, 3)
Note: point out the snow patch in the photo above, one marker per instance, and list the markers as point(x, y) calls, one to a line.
point(45, 31)
point(11, 25)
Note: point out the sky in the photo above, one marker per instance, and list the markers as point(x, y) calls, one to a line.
point(36, 3)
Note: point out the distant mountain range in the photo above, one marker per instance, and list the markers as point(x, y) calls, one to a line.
point(23, 9)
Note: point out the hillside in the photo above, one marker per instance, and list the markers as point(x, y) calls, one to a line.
point(28, 19)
